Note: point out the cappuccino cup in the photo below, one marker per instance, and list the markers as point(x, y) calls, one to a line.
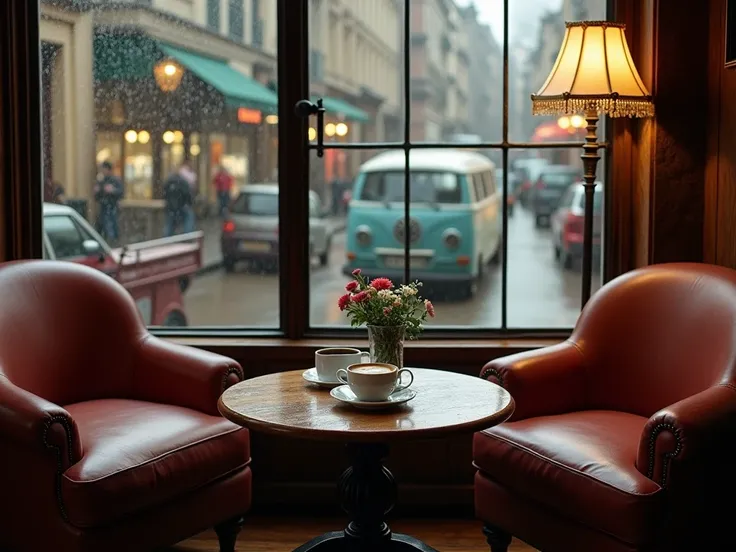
point(328, 361)
point(374, 381)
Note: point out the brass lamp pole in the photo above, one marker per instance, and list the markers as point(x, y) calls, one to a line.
point(594, 73)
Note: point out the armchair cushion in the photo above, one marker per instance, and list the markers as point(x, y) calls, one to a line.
point(139, 454)
point(581, 465)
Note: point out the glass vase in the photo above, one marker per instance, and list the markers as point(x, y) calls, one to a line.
point(387, 344)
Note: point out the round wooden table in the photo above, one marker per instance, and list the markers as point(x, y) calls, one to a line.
point(446, 404)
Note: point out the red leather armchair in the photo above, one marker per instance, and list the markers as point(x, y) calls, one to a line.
point(623, 437)
point(111, 439)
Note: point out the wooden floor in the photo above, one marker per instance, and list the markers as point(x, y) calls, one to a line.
point(286, 534)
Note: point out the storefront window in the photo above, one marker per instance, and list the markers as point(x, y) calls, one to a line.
point(138, 171)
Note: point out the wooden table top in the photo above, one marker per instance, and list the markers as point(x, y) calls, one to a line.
point(446, 403)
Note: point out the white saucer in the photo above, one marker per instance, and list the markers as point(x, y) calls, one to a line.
point(312, 377)
point(344, 394)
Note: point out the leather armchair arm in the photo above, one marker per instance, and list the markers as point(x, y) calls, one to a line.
point(681, 432)
point(183, 376)
point(33, 422)
point(542, 382)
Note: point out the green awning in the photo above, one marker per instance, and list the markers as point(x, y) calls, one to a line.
point(238, 89)
point(120, 57)
point(342, 109)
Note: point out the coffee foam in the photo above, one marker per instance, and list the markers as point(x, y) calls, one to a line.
point(371, 370)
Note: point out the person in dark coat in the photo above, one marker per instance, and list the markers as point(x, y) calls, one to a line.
point(108, 191)
point(179, 201)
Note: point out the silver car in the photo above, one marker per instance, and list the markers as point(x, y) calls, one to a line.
point(251, 231)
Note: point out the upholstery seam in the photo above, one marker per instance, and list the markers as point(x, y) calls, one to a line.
point(235, 369)
point(492, 371)
point(548, 508)
point(156, 459)
point(241, 467)
point(667, 456)
point(64, 422)
point(567, 468)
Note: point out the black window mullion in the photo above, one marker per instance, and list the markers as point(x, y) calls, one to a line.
point(505, 161)
point(293, 166)
point(407, 140)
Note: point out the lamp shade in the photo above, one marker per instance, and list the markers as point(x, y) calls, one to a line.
point(594, 71)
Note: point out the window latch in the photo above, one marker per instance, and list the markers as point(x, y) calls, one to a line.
point(304, 109)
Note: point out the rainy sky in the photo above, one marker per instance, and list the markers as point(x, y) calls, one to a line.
point(524, 16)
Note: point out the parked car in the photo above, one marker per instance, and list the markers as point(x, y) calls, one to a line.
point(551, 185)
point(527, 172)
point(568, 222)
point(512, 190)
point(455, 223)
point(250, 232)
point(156, 273)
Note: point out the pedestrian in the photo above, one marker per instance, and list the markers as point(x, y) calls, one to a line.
point(179, 200)
point(223, 183)
point(108, 191)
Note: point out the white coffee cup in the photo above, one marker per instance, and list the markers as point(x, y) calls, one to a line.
point(374, 381)
point(328, 361)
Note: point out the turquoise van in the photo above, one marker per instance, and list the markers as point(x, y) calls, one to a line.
point(455, 218)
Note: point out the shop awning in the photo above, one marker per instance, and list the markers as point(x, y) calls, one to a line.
point(341, 109)
point(238, 89)
point(121, 57)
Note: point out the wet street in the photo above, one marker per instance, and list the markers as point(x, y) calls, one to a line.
point(541, 294)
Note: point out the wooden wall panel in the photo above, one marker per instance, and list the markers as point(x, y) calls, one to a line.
point(680, 89)
point(721, 171)
point(720, 175)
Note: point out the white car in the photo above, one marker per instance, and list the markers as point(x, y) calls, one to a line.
point(251, 231)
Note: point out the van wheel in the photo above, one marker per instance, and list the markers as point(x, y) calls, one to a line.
point(175, 319)
point(229, 264)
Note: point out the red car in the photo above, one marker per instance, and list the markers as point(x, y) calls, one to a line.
point(156, 272)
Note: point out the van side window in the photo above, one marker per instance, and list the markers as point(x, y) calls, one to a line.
point(480, 192)
point(490, 180)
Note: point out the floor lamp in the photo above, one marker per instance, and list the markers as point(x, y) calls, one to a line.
point(594, 74)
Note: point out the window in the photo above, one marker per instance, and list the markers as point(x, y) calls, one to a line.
point(213, 15)
point(236, 23)
point(64, 237)
point(449, 106)
point(416, 85)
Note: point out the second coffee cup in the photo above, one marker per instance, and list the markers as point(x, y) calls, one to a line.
point(328, 361)
point(374, 381)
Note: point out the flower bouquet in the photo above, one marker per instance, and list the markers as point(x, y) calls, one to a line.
point(391, 314)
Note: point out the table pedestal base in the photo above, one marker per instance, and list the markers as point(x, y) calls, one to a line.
point(337, 541)
point(367, 492)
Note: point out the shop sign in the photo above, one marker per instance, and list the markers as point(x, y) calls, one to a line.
point(249, 116)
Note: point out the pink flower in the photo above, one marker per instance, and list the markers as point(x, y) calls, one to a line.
point(352, 286)
point(344, 301)
point(382, 283)
point(387, 311)
point(430, 308)
point(360, 297)
point(356, 272)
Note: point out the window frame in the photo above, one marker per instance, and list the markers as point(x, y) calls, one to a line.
point(22, 230)
point(306, 329)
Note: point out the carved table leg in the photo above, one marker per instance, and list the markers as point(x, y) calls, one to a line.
point(367, 492)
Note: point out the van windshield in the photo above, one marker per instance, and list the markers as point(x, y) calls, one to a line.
point(426, 187)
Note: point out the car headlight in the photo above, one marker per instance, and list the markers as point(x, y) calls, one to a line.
point(451, 237)
point(363, 235)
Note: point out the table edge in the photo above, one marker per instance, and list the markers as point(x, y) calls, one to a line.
point(368, 435)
